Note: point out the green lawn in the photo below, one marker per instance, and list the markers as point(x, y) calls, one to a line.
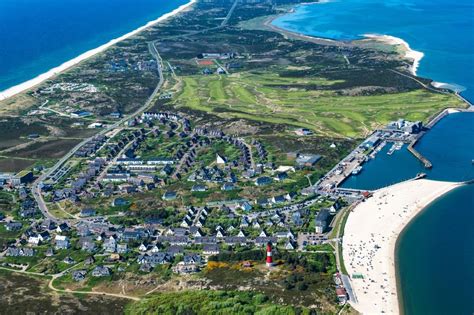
point(298, 102)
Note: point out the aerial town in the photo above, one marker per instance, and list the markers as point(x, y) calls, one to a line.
point(207, 155)
point(80, 211)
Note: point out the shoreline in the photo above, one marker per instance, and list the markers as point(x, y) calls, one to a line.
point(14, 90)
point(409, 53)
point(370, 240)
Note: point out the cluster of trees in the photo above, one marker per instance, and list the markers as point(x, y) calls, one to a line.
point(314, 262)
point(253, 254)
point(212, 302)
point(317, 262)
point(295, 281)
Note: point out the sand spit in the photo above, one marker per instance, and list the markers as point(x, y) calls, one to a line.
point(370, 237)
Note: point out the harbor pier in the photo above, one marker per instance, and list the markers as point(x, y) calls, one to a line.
point(418, 155)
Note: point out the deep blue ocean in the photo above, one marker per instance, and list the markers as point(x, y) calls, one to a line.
point(442, 30)
point(37, 35)
point(435, 253)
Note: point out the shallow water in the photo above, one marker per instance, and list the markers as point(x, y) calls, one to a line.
point(443, 31)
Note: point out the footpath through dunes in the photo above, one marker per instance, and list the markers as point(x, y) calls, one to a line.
point(370, 237)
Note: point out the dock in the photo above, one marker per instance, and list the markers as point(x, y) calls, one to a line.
point(418, 155)
point(438, 117)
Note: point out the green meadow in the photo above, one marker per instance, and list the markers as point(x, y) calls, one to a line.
point(306, 102)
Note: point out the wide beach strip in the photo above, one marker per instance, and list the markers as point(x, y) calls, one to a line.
point(370, 237)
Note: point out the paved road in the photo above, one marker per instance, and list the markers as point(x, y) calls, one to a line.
point(226, 20)
point(154, 51)
point(36, 185)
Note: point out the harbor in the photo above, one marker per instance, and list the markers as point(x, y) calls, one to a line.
point(401, 140)
point(395, 136)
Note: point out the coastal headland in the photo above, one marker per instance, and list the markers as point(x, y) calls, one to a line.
point(370, 238)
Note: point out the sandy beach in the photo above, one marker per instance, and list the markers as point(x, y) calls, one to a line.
point(410, 54)
point(370, 237)
point(66, 65)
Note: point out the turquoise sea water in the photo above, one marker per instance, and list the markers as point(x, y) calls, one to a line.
point(435, 252)
point(443, 31)
point(37, 35)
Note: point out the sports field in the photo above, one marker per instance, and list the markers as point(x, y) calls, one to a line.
point(303, 102)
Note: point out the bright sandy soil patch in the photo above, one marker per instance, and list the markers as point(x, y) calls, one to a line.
point(370, 237)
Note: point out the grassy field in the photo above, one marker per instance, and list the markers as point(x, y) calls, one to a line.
point(21, 294)
point(305, 102)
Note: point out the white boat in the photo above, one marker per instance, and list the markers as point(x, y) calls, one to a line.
point(357, 170)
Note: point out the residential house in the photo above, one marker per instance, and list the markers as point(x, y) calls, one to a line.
point(244, 222)
point(199, 188)
point(61, 242)
point(122, 248)
point(13, 226)
point(79, 275)
point(321, 221)
point(87, 212)
point(235, 240)
point(68, 260)
point(281, 176)
point(228, 187)
point(210, 249)
point(246, 206)
point(110, 245)
point(290, 245)
point(101, 271)
point(154, 259)
point(87, 244)
point(285, 234)
point(20, 252)
point(262, 241)
point(174, 250)
point(61, 228)
point(169, 195)
point(241, 234)
point(196, 231)
point(279, 199)
point(35, 240)
point(264, 180)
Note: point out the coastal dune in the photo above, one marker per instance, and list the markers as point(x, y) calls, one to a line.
point(370, 237)
point(68, 64)
point(413, 55)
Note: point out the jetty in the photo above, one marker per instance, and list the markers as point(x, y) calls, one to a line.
point(418, 155)
point(434, 121)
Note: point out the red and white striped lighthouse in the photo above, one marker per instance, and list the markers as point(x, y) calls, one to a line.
point(269, 255)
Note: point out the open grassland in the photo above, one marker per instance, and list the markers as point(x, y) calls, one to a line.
point(22, 294)
point(306, 102)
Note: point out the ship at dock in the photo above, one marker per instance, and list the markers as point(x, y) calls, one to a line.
point(356, 170)
point(395, 147)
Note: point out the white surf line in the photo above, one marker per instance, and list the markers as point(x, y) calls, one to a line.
point(68, 64)
point(411, 54)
